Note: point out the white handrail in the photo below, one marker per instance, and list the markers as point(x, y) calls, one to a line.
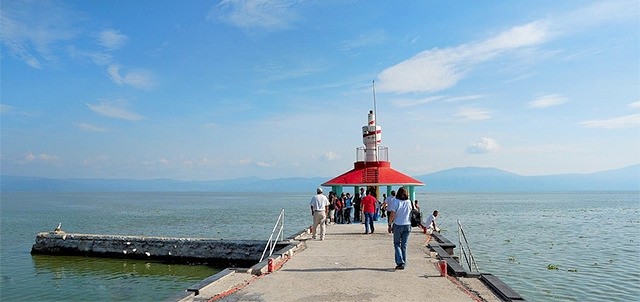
point(465, 254)
point(271, 243)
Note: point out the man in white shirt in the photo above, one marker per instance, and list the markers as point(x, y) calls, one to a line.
point(388, 204)
point(431, 225)
point(319, 207)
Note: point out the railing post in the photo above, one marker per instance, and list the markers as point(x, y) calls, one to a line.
point(270, 243)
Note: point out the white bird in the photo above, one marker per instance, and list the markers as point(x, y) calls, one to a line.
point(58, 228)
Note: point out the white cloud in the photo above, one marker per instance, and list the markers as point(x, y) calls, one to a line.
point(365, 40)
point(31, 29)
point(634, 105)
point(265, 164)
point(408, 102)
point(112, 39)
point(439, 69)
point(96, 161)
point(4, 108)
point(118, 109)
point(546, 101)
point(330, 156)
point(98, 58)
point(484, 145)
point(42, 157)
point(626, 121)
point(405, 102)
point(244, 161)
point(248, 14)
point(473, 114)
point(138, 78)
point(91, 128)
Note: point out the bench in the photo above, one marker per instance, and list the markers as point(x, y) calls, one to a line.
point(500, 288)
point(444, 242)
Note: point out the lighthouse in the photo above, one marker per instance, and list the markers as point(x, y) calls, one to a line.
point(372, 168)
point(371, 138)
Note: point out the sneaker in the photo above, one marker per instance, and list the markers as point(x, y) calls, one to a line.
point(401, 266)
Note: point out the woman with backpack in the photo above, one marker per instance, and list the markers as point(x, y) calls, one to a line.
point(400, 225)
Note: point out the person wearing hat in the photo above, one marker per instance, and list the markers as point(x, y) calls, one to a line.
point(319, 207)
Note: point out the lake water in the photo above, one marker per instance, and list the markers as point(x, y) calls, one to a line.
point(578, 246)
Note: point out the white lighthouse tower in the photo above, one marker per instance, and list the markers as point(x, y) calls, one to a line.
point(371, 137)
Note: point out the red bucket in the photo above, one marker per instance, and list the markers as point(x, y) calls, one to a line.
point(442, 266)
point(270, 265)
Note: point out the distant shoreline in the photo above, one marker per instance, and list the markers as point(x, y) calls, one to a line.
point(469, 179)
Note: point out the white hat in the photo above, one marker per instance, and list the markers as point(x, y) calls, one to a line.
point(319, 190)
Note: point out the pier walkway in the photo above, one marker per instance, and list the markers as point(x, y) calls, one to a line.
point(351, 266)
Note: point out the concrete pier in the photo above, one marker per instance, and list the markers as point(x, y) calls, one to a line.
point(217, 252)
point(350, 266)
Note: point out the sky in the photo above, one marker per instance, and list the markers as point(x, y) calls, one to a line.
point(210, 90)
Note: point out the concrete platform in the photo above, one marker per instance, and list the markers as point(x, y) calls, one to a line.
point(350, 266)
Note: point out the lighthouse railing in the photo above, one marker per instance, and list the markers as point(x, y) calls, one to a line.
point(383, 153)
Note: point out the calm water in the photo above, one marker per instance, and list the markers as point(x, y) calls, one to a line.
point(592, 238)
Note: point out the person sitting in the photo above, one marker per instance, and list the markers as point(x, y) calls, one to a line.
point(431, 225)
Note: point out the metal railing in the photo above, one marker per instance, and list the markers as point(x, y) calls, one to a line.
point(383, 153)
point(465, 251)
point(271, 243)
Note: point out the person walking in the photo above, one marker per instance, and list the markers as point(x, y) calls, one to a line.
point(369, 209)
point(319, 207)
point(400, 225)
point(388, 202)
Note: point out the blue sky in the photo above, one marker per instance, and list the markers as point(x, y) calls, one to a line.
point(205, 90)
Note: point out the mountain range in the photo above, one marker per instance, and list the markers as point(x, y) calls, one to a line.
point(466, 179)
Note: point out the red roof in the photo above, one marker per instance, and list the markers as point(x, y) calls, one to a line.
point(372, 173)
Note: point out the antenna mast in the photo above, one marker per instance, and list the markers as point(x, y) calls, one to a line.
point(375, 118)
point(375, 111)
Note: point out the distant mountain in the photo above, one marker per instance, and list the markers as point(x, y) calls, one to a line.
point(473, 179)
point(468, 179)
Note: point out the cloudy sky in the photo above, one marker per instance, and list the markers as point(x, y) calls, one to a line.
point(205, 90)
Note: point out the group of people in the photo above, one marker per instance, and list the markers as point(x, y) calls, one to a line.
point(348, 209)
point(340, 208)
point(398, 208)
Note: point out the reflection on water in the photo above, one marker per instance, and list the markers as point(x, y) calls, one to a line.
point(103, 279)
point(94, 266)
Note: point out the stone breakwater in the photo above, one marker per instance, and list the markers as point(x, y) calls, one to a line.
point(164, 249)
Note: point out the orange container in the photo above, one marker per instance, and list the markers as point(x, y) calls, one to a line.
point(270, 265)
point(442, 265)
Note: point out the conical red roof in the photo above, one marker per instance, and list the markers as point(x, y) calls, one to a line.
point(373, 174)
